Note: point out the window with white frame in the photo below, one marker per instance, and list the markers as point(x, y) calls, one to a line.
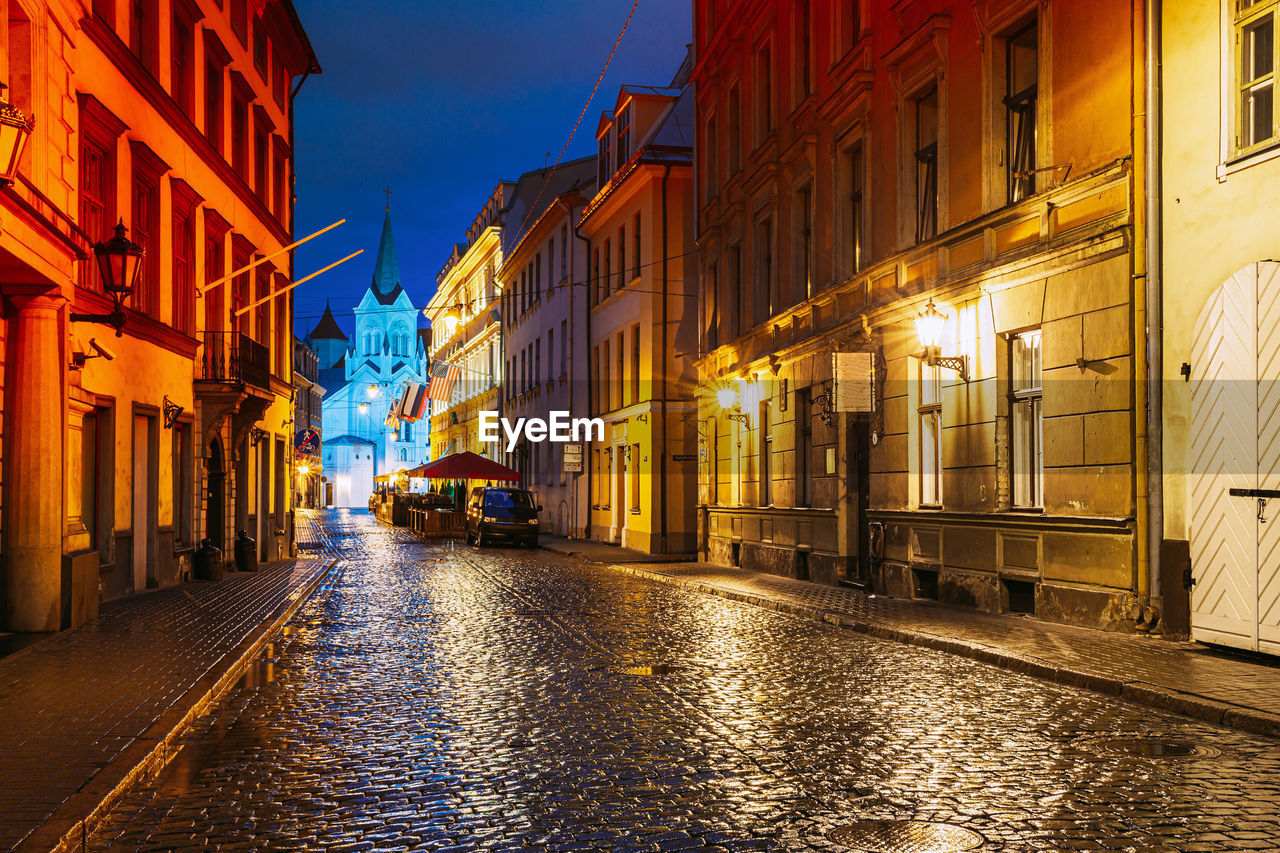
point(1026, 415)
point(930, 418)
point(854, 206)
point(1255, 72)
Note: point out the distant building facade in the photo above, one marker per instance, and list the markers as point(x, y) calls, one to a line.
point(465, 331)
point(368, 377)
point(543, 281)
point(643, 322)
point(307, 401)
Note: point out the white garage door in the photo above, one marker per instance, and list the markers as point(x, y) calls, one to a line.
point(1234, 472)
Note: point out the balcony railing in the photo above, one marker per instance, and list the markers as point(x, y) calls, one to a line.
point(233, 357)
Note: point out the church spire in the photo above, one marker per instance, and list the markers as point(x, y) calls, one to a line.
point(386, 270)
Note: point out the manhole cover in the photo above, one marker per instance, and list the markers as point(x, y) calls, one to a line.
point(651, 669)
point(1152, 747)
point(905, 836)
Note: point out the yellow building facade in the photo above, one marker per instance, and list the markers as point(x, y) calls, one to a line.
point(466, 331)
point(642, 326)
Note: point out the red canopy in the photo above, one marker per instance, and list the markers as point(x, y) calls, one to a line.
point(464, 466)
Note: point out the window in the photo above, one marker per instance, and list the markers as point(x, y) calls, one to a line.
point(240, 135)
point(144, 34)
point(595, 359)
point(564, 250)
point(279, 80)
point(608, 268)
point(635, 363)
point(624, 136)
point(854, 229)
point(182, 61)
point(183, 467)
point(709, 143)
point(1026, 393)
point(213, 73)
point(240, 20)
point(551, 264)
point(537, 361)
point(215, 319)
point(602, 163)
point(99, 131)
point(711, 320)
point(620, 376)
point(804, 50)
point(804, 442)
point(735, 290)
point(564, 346)
point(635, 247)
point(803, 234)
point(280, 192)
point(1021, 62)
point(926, 160)
point(766, 457)
point(537, 276)
point(764, 94)
point(185, 202)
point(606, 387)
point(851, 10)
point(595, 278)
point(930, 415)
point(551, 353)
point(635, 477)
point(145, 231)
point(764, 272)
point(1256, 63)
point(734, 131)
point(622, 257)
point(260, 154)
point(262, 313)
point(260, 51)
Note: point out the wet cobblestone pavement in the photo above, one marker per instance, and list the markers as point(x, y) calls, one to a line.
point(506, 699)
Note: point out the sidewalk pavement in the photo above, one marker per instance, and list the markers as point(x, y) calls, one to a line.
point(591, 551)
point(1191, 679)
point(88, 711)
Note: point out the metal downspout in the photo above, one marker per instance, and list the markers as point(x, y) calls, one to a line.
point(1155, 322)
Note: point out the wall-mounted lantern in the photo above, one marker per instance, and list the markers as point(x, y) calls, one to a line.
point(930, 324)
point(15, 128)
point(119, 260)
point(730, 405)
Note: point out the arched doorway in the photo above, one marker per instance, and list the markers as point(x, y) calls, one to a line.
point(1233, 482)
point(215, 524)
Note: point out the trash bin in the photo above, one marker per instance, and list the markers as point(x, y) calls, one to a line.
point(208, 561)
point(246, 553)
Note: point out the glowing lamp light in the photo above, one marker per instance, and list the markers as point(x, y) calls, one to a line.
point(451, 323)
point(373, 390)
point(727, 397)
point(929, 325)
point(304, 470)
point(119, 260)
point(364, 407)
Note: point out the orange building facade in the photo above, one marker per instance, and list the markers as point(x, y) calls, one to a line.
point(859, 165)
point(120, 453)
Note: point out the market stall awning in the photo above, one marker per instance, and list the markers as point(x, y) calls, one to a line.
point(394, 475)
point(464, 466)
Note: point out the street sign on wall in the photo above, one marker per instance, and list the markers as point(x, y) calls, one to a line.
point(306, 442)
point(572, 458)
point(854, 375)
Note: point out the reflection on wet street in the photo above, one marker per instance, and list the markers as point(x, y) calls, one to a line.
point(438, 698)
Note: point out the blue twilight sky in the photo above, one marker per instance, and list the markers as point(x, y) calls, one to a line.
point(441, 100)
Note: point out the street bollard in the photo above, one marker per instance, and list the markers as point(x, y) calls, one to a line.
point(246, 553)
point(208, 561)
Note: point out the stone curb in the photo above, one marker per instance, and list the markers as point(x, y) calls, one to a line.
point(69, 827)
point(1161, 698)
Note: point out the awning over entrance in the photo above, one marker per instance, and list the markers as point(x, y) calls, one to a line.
point(464, 466)
point(393, 476)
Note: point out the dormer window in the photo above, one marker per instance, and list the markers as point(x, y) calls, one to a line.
point(624, 136)
point(603, 170)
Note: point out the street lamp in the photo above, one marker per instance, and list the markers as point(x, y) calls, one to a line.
point(930, 324)
point(15, 127)
point(451, 322)
point(727, 399)
point(119, 260)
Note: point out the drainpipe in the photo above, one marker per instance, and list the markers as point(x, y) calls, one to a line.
point(1155, 322)
point(586, 527)
point(662, 463)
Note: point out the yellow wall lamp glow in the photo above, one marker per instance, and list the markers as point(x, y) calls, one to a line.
point(930, 324)
point(730, 404)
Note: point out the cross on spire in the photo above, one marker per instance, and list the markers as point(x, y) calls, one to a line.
point(388, 192)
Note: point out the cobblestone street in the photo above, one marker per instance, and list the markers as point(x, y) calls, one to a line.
point(433, 698)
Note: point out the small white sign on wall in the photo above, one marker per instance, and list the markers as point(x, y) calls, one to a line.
point(854, 375)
